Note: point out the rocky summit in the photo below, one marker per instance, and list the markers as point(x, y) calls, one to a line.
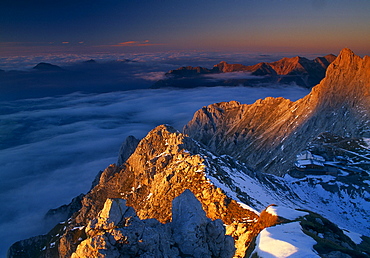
point(233, 184)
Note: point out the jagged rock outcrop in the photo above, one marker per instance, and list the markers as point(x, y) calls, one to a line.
point(117, 232)
point(63, 212)
point(29, 247)
point(268, 134)
point(164, 164)
point(161, 167)
point(298, 70)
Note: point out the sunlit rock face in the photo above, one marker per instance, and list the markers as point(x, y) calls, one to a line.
point(161, 168)
point(117, 232)
point(268, 134)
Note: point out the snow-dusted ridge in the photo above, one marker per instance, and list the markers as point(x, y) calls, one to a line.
point(349, 208)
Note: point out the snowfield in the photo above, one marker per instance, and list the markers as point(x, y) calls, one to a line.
point(286, 240)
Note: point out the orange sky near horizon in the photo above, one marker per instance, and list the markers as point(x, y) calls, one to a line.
point(308, 26)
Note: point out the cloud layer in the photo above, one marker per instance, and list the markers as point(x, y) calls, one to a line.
point(233, 76)
point(173, 59)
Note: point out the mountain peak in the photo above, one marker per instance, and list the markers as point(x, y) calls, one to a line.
point(47, 67)
point(347, 57)
point(347, 79)
point(346, 51)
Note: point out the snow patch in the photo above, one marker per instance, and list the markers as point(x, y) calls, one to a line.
point(285, 212)
point(284, 240)
point(79, 228)
point(355, 237)
point(367, 141)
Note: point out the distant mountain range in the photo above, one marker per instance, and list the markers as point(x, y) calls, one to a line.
point(47, 67)
point(298, 70)
point(231, 173)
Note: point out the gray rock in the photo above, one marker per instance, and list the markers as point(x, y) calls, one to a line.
point(189, 224)
point(195, 234)
point(62, 213)
point(127, 148)
point(219, 244)
point(118, 232)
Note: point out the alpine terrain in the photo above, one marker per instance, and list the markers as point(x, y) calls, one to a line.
point(272, 179)
point(296, 70)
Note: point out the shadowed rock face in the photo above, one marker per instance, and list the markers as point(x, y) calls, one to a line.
point(268, 134)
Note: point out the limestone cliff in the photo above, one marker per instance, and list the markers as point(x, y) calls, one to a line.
point(268, 134)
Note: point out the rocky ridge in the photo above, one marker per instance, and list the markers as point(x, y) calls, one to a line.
point(298, 70)
point(268, 134)
point(164, 164)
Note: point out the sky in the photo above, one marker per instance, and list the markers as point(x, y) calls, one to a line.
point(81, 26)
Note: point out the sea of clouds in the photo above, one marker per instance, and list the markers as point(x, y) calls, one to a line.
point(52, 147)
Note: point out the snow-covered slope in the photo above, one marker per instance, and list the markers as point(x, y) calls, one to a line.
point(344, 204)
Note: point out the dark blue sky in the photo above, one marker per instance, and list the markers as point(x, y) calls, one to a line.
point(154, 25)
